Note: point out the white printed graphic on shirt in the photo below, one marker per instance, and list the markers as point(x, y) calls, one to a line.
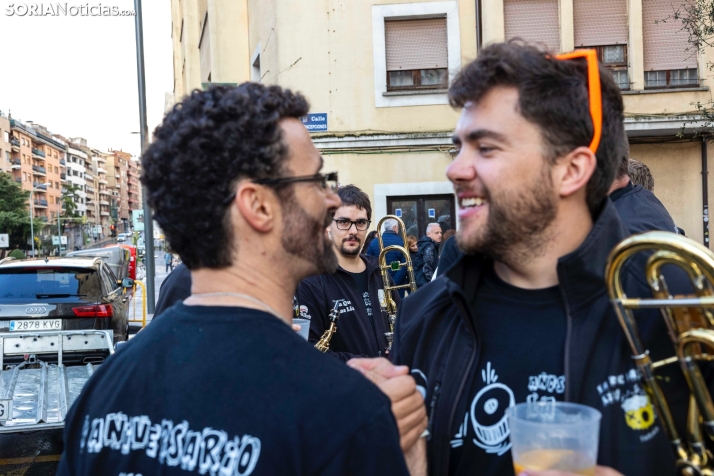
point(624, 389)
point(206, 450)
point(488, 409)
point(494, 399)
point(344, 305)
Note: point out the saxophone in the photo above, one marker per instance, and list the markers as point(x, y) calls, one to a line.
point(323, 345)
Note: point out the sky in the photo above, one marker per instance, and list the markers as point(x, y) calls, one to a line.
point(76, 75)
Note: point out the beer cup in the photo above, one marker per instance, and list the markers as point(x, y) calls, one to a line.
point(554, 435)
point(304, 327)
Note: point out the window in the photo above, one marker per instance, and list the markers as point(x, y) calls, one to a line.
point(7, 156)
point(614, 58)
point(535, 21)
point(417, 54)
point(6, 136)
point(24, 176)
point(672, 78)
point(669, 59)
point(416, 50)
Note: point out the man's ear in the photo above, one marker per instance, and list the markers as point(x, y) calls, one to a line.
point(575, 170)
point(257, 205)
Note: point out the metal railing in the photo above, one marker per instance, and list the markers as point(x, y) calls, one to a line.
point(38, 152)
point(143, 304)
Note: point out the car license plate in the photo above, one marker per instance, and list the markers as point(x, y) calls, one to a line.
point(36, 325)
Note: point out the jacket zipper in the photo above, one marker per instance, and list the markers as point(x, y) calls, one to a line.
point(432, 406)
point(568, 335)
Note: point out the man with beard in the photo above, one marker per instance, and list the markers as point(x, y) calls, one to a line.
point(523, 315)
point(356, 287)
point(222, 384)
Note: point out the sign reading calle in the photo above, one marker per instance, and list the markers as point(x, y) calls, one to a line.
point(316, 122)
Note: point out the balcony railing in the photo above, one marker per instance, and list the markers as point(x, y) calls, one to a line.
point(15, 142)
point(40, 203)
point(63, 162)
point(63, 176)
point(18, 179)
point(38, 153)
point(39, 170)
point(104, 213)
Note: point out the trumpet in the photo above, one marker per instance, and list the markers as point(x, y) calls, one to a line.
point(387, 304)
point(323, 345)
point(690, 324)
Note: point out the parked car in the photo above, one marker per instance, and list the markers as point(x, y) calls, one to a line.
point(63, 294)
point(121, 237)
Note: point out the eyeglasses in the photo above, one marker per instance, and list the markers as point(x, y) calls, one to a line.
point(328, 181)
point(594, 91)
point(345, 224)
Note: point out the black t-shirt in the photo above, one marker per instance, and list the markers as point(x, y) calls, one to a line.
point(362, 283)
point(228, 390)
point(522, 334)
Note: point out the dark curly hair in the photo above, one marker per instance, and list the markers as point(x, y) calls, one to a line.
point(351, 195)
point(204, 146)
point(553, 95)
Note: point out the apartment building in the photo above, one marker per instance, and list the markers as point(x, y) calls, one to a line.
point(36, 157)
point(376, 75)
point(5, 147)
point(103, 191)
point(133, 185)
point(117, 176)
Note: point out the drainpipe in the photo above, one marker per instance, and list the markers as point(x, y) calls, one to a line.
point(705, 194)
point(479, 28)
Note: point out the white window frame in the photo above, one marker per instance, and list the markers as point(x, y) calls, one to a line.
point(413, 11)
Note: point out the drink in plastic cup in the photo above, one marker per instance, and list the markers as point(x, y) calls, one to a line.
point(304, 327)
point(554, 435)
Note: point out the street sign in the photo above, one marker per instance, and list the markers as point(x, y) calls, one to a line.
point(316, 122)
point(4, 240)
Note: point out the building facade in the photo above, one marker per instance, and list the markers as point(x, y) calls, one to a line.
point(376, 75)
point(5, 146)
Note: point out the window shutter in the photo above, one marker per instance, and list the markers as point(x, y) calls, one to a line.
point(416, 44)
point(600, 22)
point(665, 45)
point(535, 21)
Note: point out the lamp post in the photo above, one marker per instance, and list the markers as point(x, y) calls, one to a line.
point(32, 211)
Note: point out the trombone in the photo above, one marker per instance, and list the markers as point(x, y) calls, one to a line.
point(387, 304)
point(690, 323)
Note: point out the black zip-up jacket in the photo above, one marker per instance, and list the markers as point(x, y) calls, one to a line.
point(437, 336)
point(358, 334)
point(641, 210)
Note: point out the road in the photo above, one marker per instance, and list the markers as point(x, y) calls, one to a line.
point(37, 453)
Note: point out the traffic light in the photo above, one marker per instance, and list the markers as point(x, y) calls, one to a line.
point(114, 231)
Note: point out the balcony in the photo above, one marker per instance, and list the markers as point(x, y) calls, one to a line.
point(118, 185)
point(103, 181)
point(16, 163)
point(37, 170)
point(18, 179)
point(103, 202)
point(90, 189)
point(63, 162)
point(104, 213)
point(101, 170)
point(103, 191)
point(15, 144)
point(63, 176)
point(41, 203)
point(38, 154)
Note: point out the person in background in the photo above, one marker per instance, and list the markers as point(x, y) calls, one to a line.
point(412, 244)
point(368, 239)
point(427, 257)
point(169, 261)
point(638, 207)
point(356, 287)
point(448, 234)
point(640, 174)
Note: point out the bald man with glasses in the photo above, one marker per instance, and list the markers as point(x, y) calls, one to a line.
point(356, 288)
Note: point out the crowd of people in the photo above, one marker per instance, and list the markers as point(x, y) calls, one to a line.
point(513, 308)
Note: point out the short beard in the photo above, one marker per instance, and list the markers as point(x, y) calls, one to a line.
point(515, 231)
point(347, 252)
point(304, 236)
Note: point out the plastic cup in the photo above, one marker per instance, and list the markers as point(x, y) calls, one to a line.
point(554, 435)
point(304, 324)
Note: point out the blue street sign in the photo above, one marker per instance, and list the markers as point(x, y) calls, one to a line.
point(316, 122)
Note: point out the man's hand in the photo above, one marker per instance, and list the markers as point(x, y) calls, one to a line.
point(599, 471)
point(407, 403)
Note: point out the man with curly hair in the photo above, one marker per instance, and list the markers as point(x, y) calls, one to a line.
point(222, 385)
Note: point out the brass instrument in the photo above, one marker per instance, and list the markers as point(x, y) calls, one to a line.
point(388, 304)
point(691, 326)
point(323, 345)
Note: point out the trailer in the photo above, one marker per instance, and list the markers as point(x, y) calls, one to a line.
point(36, 388)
